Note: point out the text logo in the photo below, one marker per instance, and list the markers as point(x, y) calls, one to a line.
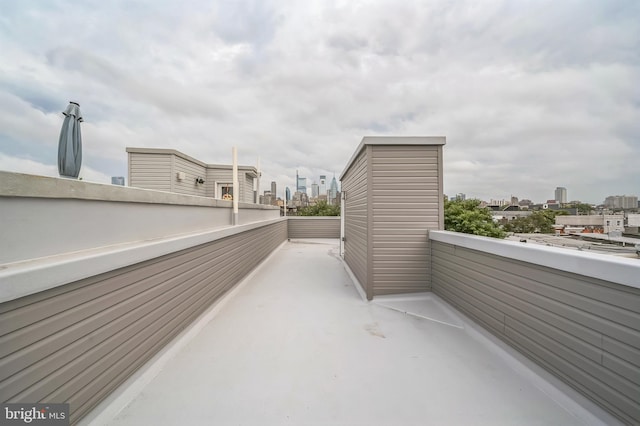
point(34, 414)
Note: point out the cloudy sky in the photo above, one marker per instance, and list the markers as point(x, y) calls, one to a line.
point(530, 94)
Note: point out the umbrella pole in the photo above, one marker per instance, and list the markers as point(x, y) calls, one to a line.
point(236, 186)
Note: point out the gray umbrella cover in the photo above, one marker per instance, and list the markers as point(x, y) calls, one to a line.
point(70, 144)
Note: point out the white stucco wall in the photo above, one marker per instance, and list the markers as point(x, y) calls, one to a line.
point(43, 216)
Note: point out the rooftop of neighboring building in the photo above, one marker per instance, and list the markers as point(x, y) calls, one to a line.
point(578, 242)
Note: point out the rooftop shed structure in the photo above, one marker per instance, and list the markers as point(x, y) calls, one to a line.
point(392, 196)
point(173, 171)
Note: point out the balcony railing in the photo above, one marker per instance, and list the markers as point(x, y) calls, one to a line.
point(576, 314)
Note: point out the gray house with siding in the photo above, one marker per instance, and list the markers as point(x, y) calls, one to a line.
point(392, 196)
point(172, 171)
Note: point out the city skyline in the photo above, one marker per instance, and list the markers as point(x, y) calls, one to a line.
point(524, 106)
point(507, 200)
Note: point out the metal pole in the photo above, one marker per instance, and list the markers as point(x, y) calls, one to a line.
point(236, 186)
point(343, 202)
point(257, 200)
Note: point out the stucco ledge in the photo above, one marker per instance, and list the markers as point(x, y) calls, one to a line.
point(602, 266)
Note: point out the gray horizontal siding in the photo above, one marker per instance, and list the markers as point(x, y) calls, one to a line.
point(584, 330)
point(246, 188)
point(245, 182)
point(76, 343)
point(188, 184)
point(314, 227)
point(159, 171)
point(150, 171)
point(217, 176)
point(354, 185)
point(405, 205)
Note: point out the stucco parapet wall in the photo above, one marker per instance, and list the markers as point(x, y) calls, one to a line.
point(606, 267)
point(33, 186)
point(251, 169)
point(32, 276)
point(393, 140)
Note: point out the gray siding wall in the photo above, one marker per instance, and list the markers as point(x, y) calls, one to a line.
point(314, 227)
point(215, 176)
point(584, 330)
point(246, 186)
point(150, 171)
point(158, 170)
point(188, 184)
point(354, 184)
point(406, 199)
point(78, 342)
point(212, 176)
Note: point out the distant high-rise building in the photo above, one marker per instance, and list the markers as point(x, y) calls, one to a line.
point(301, 183)
point(514, 201)
point(561, 195)
point(117, 180)
point(323, 185)
point(268, 198)
point(333, 190)
point(273, 189)
point(287, 194)
point(460, 196)
point(300, 199)
point(315, 190)
point(621, 202)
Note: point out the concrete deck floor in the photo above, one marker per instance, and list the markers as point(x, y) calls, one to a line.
point(297, 345)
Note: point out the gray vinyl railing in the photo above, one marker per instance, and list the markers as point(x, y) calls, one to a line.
point(575, 314)
point(314, 226)
point(76, 341)
point(79, 341)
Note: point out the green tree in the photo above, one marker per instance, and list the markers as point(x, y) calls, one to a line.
point(321, 208)
point(582, 208)
point(467, 216)
point(520, 225)
point(541, 221)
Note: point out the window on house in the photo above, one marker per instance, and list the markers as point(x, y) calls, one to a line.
point(224, 191)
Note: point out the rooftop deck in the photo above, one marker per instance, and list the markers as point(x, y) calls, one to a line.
point(295, 343)
point(107, 309)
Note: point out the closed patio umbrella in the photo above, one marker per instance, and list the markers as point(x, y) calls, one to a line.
point(70, 143)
